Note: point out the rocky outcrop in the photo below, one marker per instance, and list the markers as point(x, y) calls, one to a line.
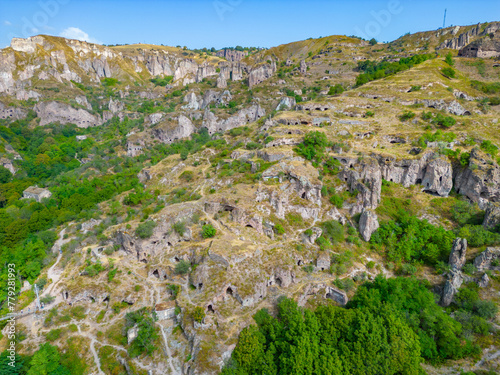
point(243, 117)
point(303, 67)
point(237, 214)
point(192, 102)
point(492, 216)
point(366, 180)
point(10, 112)
point(63, 113)
point(261, 73)
point(452, 107)
point(126, 242)
point(221, 82)
point(458, 252)
point(462, 40)
point(479, 181)
point(454, 282)
point(438, 177)
point(483, 261)
point(168, 132)
point(368, 223)
point(231, 54)
point(7, 163)
point(286, 103)
point(282, 277)
point(313, 236)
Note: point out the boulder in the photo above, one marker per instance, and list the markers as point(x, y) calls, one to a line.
point(484, 281)
point(316, 233)
point(483, 260)
point(457, 255)
point(492, 216)
point(368, 223)
point(454, 282)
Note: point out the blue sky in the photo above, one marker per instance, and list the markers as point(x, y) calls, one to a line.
point(221, 23)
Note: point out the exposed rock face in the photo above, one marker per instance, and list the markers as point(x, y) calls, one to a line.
point(231, 54)
point(303, 67)
point(483, 260)
point(261, 74)
point(462, 40)
point(485, 47)
point(316, 233)
point(286, 103)
point(237, 214)
point(221, 81)
point(11, 112)
point(64, 114)
point(192, 101)
point(366, 178)
point(7, 163)
point(126, 242)
point(29, 45)
point(452, 107)
point(368, 223)
point(484, 281)
point(215, 97)
point(479, 181)
point(492, 216)
point(169, 133)
point(454, 282)
point(438, 177)
point(241, 118)
point(458, 252)
point(282, 277)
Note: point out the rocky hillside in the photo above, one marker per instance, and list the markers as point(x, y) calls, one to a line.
point(181, 192)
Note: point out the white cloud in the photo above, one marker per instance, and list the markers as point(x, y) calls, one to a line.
point(76, 33)
point(7, 23)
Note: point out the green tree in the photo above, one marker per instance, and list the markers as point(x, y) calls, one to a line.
point(5, 175)
point(449, 59)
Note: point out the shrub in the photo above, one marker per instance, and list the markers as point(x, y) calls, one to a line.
point(313, 146)
point(469, 269)
point(373, 41)
point(309, 268)
point(208, 231)
point(337, 200)
point(198, 314)
point(333, 231)
point(180, 228)
point(174, 290)
point(279, 230)
point(187, 176)
point(182, 267)
point(407, 115)
point(445, 121)
point(53, 334)
point(415, 88)
point(145, 230)
point(448, 72)
point(489, 148)
point(335, 90)
point(369, 114)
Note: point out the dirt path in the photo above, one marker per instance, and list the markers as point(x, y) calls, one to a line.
point(167, 350)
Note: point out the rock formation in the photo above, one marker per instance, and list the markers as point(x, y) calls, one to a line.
point(368, 223)
point(63, 113)
point(458, 252)
point(492, 216)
